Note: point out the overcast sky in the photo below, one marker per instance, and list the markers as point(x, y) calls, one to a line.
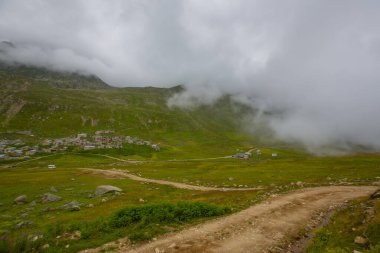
point(316, 62)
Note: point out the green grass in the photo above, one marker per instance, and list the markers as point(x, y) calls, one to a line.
point(355, 220)
point(139, 223)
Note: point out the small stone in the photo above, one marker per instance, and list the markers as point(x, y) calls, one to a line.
point(71, 206)
point(141, 201)
point(360, 240)
point(48, 197)
point(21, 199)
point(90, 205)
point(24, 215)
point(357, 251)
point(33, 203)
point(104, 200)
point(231, 179)
point(53, 189)
point(67, 246)
point(24, 224)
point(45, 246)
point(299, 183)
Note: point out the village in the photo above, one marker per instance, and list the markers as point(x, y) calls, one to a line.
point(102, 139)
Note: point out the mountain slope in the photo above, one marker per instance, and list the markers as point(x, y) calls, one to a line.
point(52, 104)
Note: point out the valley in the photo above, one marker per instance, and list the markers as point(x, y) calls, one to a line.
point(118, 170)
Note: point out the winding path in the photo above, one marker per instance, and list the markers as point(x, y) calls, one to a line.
point(123, 174)
point(259, 228)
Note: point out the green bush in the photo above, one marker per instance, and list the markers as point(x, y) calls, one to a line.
point(165, 213)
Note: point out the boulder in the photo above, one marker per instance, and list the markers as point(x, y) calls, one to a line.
point(21, 199)
point(71, 206)
point(102, 189)
point(48, 197)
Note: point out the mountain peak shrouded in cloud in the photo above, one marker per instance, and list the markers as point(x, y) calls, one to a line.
point(316, 62)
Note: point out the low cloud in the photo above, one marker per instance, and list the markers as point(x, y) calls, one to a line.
point(310, 67)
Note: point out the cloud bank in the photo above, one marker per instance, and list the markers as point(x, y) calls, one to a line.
point(314, 65)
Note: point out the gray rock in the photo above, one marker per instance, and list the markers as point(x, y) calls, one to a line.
point(48, 197)
point(24, 224)
point(71, 206)
point(21, 199)
point(33, 203)
point(102, 189)
point(24, 215)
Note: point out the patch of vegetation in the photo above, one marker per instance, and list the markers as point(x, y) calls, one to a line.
point(358, 219)
point(139, 223)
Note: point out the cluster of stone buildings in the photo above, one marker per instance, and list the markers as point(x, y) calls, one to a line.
point(16, 149)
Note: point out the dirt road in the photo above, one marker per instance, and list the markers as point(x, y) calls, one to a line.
point(123, 174)
point(259, 228)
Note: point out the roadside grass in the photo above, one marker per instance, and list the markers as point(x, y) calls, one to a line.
point(139, 223)
point(359, 218)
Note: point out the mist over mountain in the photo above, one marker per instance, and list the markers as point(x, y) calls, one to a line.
point(310, 68)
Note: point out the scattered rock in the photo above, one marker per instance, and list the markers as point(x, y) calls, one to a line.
point(102, 189)
point(53, 189)
point(45, 246)
point(90, 196)
point(24, 215)
point(71, 206)
point(76, 235)
point(48, 209)
point(21, 199)
point(48, 197)
point(33, 203)
point(360, 240)
point(23, 224)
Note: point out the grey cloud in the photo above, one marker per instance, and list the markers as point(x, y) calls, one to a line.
point(314, 63)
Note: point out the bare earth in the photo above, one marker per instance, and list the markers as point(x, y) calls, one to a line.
point(123, 174)
point(259, 228)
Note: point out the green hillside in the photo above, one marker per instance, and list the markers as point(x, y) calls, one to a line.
point(55, 105)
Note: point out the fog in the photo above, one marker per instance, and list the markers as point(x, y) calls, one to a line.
point(311, 67)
